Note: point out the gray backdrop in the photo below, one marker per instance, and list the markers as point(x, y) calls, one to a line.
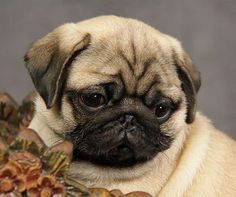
point(206, 29)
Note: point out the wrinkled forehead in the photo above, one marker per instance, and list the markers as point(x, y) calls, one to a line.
point(136, 60)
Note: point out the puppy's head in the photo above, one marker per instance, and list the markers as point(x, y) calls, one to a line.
point(120, 90)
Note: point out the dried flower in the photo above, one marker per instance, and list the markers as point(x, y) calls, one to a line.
point(55, 163)
point(26, 110)
point(46, 186)
point(8, 108)
point(99, 192)
point(65, 146)
point(8, 132)
point(116, 193)
point(138, 194)
point(26, 160)
point(22, 169)
point(25, 121)
point(25, 145)
point(3, 145)
point(29, 140)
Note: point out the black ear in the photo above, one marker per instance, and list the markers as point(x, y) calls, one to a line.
point(191, 82)
point(49, 57)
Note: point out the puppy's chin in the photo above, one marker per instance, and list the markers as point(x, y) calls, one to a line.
point(115, 145)
point(124, 155)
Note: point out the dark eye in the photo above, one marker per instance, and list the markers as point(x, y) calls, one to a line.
point(93, 99)
point(163, 111)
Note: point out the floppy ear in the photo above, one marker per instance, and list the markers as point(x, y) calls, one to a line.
point(191, 82)
point(49, 57)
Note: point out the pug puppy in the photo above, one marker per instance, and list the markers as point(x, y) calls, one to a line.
point(125, 95)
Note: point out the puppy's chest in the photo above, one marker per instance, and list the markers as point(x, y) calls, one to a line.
point(129, 186)
point(148, 184)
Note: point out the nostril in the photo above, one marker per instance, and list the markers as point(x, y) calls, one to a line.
point(127, 121)
point(129, 117)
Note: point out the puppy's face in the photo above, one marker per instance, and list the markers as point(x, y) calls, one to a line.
point(119, 90)
point(117, 129)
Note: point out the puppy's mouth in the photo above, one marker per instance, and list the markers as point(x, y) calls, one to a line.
point(116, 145)
point(123, 150)
point(119, 156)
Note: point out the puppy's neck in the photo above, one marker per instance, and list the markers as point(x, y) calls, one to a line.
point(40, 126)
point(44, 117)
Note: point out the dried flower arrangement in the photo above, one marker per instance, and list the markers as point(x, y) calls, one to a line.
point(28, 167)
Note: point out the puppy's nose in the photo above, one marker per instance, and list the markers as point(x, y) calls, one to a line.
point(127, 120)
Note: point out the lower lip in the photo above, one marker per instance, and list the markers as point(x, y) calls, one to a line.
point(119, 150)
